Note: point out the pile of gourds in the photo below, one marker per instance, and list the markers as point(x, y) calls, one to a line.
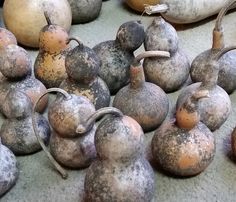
point(84, 79)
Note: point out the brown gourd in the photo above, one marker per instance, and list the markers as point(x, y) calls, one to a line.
point(215, 110)
point(145, 102)
point(121, 172)
point(139, 5)
point(16, 131)
point(117, 55)
point(25, 18)
point(82, 66)
point(8, 169)
point(49, 66)
point(16, 67)
point(67, 147)
point(227, 63)
point(184, 146)
point(168, 73)
point(84, 11)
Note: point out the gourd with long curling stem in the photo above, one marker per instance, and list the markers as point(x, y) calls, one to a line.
point(121, 164)
point(145, 102)
point(186, 11)
point(66, 146)
point(227, 62)
point(215, 110)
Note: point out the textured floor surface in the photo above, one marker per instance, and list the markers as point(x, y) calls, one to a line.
point(38, 180)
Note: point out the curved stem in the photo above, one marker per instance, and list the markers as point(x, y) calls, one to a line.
point(35, 128)
point(223, 51)
point(83, 128)
point(47, 18)
point(74, 39)
point(159, 8)
point(148, 54)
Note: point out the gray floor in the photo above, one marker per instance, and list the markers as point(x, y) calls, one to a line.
point(38, 180)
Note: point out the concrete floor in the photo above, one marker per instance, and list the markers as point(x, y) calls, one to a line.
point(39, 181)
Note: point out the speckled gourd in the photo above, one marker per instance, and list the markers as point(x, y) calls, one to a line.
point(117, 55)
point(145, 102)
point(121, 172)
point(168, 73)
point(82, 66)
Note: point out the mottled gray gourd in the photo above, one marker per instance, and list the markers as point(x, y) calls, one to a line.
point(84, 11)
point(120, 172)
point(67, 147)
point(16, 68)
point(16, 131)
point(184, 146)
point(117, 55)
point(6, 38)
point(8, 169)
point(168, 73)
point(215, 110)
point(49, 66)
point(227, 63)
point(145, 102)
point(82, 66)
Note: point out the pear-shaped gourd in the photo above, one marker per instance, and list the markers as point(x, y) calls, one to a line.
point(121, 172)
point(68, 147)
point(215, 110)
point(8, 169)
point(227, 63)
point(184, 146)
point(49, 65)
point(16, 67)
point(85, 10)
point(168, 73)
point(82, 66)
point(16, 131)
point(6, 38)
point(145, 102)
point(117, 55)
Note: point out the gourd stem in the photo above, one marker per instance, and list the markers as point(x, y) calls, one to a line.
point(223, 51)
point(74, 39)
point(218, 37)
point(47, 18)
point(83, 128)
point(159, 8)
point(35, 128)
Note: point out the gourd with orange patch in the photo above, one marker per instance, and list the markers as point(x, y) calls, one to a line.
point(139, 5)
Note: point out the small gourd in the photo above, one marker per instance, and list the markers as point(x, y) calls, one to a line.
point(82, 66)
point(16, 131)
point(227, 63)
point(8, 169)
point(49, 66)
point(6, 38)
point(117, 55)
point(67, 147)
point(168, 73)
point(121, 172)
point(145, 102)
point(184, 146)
point(215, 110)
point(16, 67)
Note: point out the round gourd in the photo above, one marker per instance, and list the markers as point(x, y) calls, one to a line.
point(139, 5)
point(26, 18)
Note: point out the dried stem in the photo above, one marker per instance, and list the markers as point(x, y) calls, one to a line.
point(159, 8)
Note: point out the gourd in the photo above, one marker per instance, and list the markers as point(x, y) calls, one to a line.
point(145, 102)
point(16, 131)
point(82, 66)
point(184, 146)
point(49, 66)
point(215, 110)
point(6, 38)
point(139, 5)
point(25, 18)
point(121, 172)
point(227, 63)
point(168, 73)
point(116, 55)
point(67, 147)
